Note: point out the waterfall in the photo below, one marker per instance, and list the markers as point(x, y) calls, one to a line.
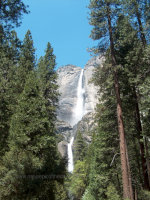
point(70, 156)
point(78, 113)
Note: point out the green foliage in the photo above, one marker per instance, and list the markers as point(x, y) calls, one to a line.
point(144, 195)
point(78, 180)
point(98, 19)
point(112, 193)
point(48, 78)
point(137, 11)
point(80, 147)
point(129, 37)
point(32, 147)
point(87, 195)
point(30, 141)
point(26, 62)
point(60, 192)
point(11, 12)
point(31, 167)
point(7, 96)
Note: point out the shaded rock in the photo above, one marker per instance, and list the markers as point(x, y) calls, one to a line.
point(64, 129)
point(63, 148)
point(86, 126)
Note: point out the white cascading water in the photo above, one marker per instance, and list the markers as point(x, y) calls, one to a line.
point(77, 116)
point(70, 156)
point(79, 108)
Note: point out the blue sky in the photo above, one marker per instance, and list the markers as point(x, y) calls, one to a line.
point(63, 23)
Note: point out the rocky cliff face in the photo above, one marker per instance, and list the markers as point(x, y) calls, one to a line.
point(68, 77)
point(90, 90)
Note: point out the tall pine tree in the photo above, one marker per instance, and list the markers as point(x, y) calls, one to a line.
point(102, 13)
point(48, 78)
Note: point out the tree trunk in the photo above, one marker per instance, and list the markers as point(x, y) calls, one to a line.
point(135, 195)
point(123, 148)
point(138, 161)
point(129, 172)
point(142, 35)
point(147, 160)
point(138, 15)
point(141, 143)
point(145, 164)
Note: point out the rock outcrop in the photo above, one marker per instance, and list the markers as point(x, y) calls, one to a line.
point(64, 130)
point(62, 148)
point(68, 77)
point(86, 126)
point(90, 89)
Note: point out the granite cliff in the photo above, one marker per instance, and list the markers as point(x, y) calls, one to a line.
point(68, 77)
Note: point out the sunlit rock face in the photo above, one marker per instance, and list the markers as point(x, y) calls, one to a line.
point(68, 78)
point(77, 102)
point(90, 89)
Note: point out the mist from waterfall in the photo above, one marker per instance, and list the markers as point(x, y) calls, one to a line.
point(78, 113)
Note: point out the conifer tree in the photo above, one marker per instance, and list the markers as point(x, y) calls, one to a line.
point(8, 61)
point(78, 180)
point(102, 171)
point(102, 13)
point(48, 78)
point(80, 147)
point(6, 67)
point(26, 62)
point(130, 52)
point(31, 143)
point(14, 46)
point(11, 13)
point(136, 10)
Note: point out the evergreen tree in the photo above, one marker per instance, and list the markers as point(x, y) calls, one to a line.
point(130, 56)
point(127, 46)
point(136, 10)
point(78, 180)
point(26, 62)
point(6, 70)
point(32, 146)
point(48, 79)
point(8, 61)
point(102, 13)
point(11, 13)
point(80, 148)
point(104, 147)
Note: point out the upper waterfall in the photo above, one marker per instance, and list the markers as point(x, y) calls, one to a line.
point(78, 110)
point(73, 82)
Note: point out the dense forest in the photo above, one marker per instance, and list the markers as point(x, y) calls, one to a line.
point(116, 164)
point(30, 165)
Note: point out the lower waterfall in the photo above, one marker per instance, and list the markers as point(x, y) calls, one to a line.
point(77, 116)
point(70, 156)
